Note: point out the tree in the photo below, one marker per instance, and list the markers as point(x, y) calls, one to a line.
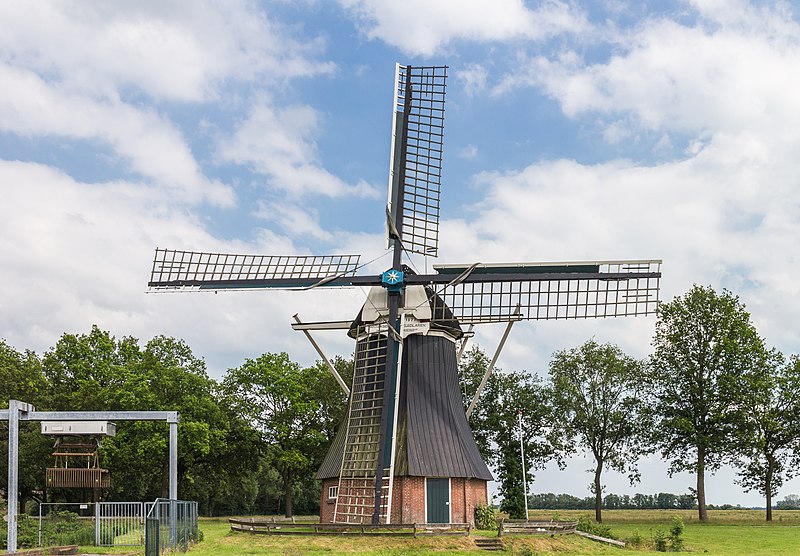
point(703, 344)
point(495, 425)
point(598, 400)
point(21, 379)
point(281, 401)
point(789, 502)
point(769, 443)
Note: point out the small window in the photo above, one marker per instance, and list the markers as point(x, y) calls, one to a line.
point(333, 491)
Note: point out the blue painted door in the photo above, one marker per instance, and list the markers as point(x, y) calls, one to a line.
point(438, 500)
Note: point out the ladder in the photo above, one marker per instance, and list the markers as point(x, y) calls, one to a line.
point(355, 502)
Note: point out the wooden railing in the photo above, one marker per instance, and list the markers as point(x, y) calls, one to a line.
point(522, 527)
point(272, 526)
point(77, 477)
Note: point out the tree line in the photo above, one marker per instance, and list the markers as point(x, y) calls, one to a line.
point(711, 392)
point(639, 501)
point(249, 443)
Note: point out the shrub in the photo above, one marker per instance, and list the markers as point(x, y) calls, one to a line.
point(485, 518)
point(660, 540)
point(676, 534)
point(636, 539)
point(593, 528)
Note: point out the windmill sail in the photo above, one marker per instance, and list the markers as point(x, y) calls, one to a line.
point(175, 269)
point(548, 291)
point(416, 161)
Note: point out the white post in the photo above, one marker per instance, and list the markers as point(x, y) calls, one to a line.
point(524, 475)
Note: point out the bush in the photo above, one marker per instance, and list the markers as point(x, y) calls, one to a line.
point(660, 540)
point(485, 518)
point(593, 528)
point(676, 534)
point(636, 539)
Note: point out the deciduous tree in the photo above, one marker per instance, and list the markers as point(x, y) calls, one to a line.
point(281, 400)
point(597, 396)
point(769, 441)
point(704, 343)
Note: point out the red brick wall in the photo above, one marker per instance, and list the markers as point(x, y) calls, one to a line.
point(408, 499)
point(327, 505)
point(465, 494)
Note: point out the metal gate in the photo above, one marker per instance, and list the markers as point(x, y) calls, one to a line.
point(63, 523)
point(170, 525)
point(119, 523)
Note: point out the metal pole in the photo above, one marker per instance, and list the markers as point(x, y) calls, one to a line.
point(173, 460)
point(97, 524)
point(488, 372)
point(336, 375)
point(524, 474)
point(173, 483)
point(13, 473)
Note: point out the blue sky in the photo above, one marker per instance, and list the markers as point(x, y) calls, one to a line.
point(574, 131)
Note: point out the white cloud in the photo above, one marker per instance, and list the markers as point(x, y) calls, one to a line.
point(727, 74)
point(149, 143)
point(421, 27)
point(473, 78)
point(280, 144)
point(78, 254)
point(468, 152)
point(165, 49)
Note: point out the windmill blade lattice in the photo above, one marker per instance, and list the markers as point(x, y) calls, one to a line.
point(174, 269)
point(416, 166)
point(549, 291)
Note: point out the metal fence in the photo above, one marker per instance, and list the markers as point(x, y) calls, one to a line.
point(170, 525)
point(119, 523)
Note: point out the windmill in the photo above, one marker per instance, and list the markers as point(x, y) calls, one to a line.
point(405, 450)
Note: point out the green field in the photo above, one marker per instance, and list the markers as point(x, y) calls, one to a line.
point(729, 532)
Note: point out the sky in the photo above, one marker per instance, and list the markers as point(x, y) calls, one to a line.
point(573, 131)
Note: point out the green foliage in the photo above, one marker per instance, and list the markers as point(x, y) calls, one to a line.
point(660, 540)
point(587, 525)
point(676, 534)
point(704, 346)
point(768, 440)
point(636, 540)
point(495, 424)
point(485, 518)
point(597, 394)
point(294, 410)
point(789, 502)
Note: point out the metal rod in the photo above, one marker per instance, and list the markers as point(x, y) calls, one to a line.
point(173, 460)
point(14, 409)
point(524, 474)
point(488, 372)
point(465, 341)
point(336, 375)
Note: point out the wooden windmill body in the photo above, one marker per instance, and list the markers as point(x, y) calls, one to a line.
point(405, 453)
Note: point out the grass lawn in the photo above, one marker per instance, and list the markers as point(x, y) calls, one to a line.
point(729, 532)
point(734, 532)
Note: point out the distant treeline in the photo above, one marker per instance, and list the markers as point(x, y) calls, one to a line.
point(660, 501)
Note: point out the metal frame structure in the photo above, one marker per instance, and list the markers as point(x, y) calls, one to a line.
point(479, 293)
point(20, 411)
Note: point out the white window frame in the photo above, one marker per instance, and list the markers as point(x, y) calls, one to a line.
point(333, 492)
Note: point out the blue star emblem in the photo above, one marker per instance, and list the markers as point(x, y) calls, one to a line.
point(392, 279)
